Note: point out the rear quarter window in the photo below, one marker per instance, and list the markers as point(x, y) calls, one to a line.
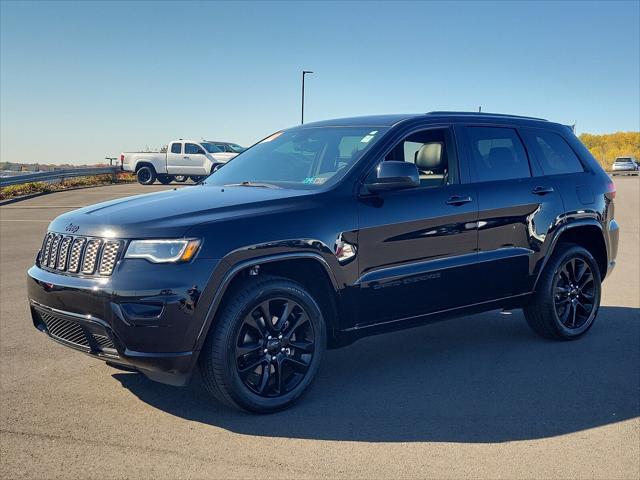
point(553, 153)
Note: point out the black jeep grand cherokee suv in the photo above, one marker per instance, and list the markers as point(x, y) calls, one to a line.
point(327, 232)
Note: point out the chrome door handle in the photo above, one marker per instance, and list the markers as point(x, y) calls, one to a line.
point(185, 158)
point(458, 200)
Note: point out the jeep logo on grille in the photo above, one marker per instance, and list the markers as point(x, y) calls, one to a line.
point(72, 228)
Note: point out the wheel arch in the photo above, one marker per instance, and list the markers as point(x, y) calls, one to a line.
point(302, 267)
point(588, 234)
point(144, 163)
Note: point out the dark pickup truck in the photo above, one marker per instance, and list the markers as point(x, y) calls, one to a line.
point(327, 232)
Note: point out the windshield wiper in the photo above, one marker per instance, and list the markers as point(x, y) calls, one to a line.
point(251, 184)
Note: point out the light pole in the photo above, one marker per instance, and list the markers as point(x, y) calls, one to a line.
point(304, 72)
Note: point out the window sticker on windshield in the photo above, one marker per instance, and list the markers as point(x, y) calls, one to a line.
point(367, 138)
point(314, 180)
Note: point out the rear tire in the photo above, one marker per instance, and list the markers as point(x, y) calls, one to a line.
point(146, 175)
point(567, 297)
point(264, 366)
point(165, 179)
point(197, 178)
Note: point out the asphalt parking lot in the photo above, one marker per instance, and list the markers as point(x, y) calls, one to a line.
point(478, 396)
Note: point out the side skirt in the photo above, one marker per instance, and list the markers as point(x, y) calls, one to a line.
point(350, 335)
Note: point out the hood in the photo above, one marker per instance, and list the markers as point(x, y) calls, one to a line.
point(171, 213)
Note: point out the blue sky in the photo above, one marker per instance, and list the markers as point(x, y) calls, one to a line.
point(80, 81)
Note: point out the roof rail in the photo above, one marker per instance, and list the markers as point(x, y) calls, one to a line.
point(483, 114)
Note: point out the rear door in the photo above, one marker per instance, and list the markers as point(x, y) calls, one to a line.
point(562, 166)
point(517, 206)
point(174, 158)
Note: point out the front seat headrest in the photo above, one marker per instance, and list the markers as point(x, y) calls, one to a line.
point(429, 156)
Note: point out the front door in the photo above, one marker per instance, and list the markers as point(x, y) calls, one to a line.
point(193, 161)
point(417, 247)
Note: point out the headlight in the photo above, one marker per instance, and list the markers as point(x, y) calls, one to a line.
point(163, 251)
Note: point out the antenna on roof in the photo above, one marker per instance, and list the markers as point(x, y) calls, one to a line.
point(479, 108)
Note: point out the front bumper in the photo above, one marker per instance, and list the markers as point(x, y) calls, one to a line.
point(145, 316)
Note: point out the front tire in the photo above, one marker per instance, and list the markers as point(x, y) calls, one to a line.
point(265, 347)
point(181, 178)
point(567, 297)
point(146, 175)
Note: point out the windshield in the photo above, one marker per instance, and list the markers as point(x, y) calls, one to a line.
point(235, 147)
point(210, 147)
point(623, 160)
point(307, 158)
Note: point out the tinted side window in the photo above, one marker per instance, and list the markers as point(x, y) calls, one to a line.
point(176, 147)
point(553, 153)
point(498, 154)
point(433, 153)
point(192, 148)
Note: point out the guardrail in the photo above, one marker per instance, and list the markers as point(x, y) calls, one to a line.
point(57, 175)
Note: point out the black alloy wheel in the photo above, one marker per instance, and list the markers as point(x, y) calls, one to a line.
point(567, 296)
point(574, 293)
point(265, 345)
point(274, 347)
point(146, 175)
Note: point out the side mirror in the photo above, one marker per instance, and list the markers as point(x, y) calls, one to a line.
point(392, 175)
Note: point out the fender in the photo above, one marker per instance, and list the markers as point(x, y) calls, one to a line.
point(585, 222)
point(146, 163)
point(238, 267)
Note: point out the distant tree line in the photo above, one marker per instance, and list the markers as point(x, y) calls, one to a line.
point(608, 146)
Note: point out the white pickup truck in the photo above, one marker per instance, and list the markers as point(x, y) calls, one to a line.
point(183, 159)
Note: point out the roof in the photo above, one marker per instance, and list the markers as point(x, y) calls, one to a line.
point(393, 119)
point(483, 115)
point(368, 121)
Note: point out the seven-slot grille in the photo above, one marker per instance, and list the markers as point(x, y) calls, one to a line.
point(89, 256)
